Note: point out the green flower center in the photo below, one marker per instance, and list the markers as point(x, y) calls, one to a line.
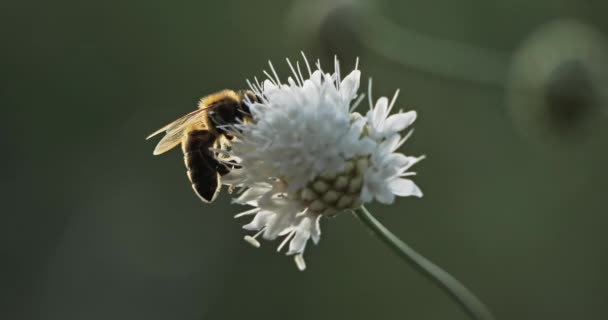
point(329, 194)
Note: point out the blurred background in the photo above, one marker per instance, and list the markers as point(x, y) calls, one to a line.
point(512, 118)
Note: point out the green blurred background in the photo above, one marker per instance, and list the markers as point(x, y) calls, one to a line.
point(94, 227)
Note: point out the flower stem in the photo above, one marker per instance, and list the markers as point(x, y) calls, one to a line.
point(456, 290)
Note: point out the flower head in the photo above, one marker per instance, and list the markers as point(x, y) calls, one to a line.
point(306, 154)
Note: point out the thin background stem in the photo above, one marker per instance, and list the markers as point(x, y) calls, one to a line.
point(456, 290)
point(445, 57)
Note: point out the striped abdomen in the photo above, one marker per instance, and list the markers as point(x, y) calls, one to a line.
point(203, 169)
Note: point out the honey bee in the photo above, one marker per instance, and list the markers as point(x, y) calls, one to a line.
point(202, 129)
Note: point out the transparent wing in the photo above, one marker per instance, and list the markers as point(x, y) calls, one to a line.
point(175, 130)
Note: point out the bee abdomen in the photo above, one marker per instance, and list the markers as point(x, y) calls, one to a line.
point(205, 180)
point(201, 164)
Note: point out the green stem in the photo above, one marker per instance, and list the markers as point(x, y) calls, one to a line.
point(456, 290)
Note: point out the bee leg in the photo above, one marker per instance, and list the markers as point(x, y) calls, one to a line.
point(231, 189)
point(223, 167)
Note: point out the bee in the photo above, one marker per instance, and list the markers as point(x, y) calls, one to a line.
point(200, 131)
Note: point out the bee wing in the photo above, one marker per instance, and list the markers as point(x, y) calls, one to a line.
point(175, 131)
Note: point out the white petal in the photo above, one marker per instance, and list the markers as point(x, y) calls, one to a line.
point(234, 177)
point(269, 88)
point(389, 145)
point(366, 195)
point(380, 111)
point(303, 231)
point(366, 146)
point(253, 194)
point(259, 221)
point(350, 85)
point(385, 196)
point(278, 224)
point(400, 121)
point(411, 161)
point(316, 77)
point(399, 160)
point(310, 92)
point(404, 188)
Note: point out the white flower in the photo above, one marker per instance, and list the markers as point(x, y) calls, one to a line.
point(384, 179)
point(381, 125)
point(306, 155)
